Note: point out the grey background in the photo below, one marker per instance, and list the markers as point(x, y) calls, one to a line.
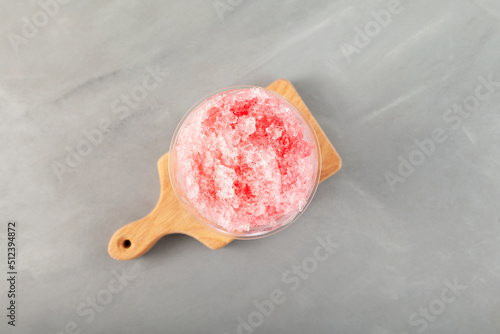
point(397, 251)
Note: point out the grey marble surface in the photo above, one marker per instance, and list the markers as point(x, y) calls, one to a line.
point(404, 239)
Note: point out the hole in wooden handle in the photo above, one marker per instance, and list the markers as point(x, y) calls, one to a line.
point(126, 243)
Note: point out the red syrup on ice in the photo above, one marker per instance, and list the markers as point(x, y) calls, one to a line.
point(246, 161)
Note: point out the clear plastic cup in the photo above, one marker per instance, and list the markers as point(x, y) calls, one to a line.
point(279, 221)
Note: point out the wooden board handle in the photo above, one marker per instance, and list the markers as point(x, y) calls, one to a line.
point(136, 238)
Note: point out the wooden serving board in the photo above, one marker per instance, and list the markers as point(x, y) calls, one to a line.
point(136, 238)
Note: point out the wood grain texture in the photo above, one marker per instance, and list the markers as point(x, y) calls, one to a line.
point(136, 238)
